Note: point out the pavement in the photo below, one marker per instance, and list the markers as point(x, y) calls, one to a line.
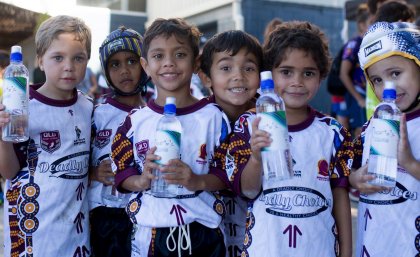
point(353, 215)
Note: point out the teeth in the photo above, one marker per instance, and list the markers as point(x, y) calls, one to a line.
point(237, 89)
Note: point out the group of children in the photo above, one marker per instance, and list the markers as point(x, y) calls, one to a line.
point(54, 205)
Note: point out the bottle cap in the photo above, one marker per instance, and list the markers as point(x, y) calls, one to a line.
point(266, 80)
point(16, 54)
point(389, 90)
point(170, 106)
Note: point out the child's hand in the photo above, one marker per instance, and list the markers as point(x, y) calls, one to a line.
point(4, 116)
point(259, 140)
point(149, 165)
point(103, 173)
point(405, 155)
point(179, 173)
point(359, 178)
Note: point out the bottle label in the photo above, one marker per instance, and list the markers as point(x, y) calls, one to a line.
point(275, 124)
point(385, 136)
point(168, 144)
point(14, 95)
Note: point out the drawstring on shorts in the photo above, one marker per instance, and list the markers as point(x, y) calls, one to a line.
point(183, 242)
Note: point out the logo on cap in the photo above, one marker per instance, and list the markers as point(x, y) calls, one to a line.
point(373, 48)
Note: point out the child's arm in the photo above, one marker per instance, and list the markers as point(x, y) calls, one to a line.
point(251, 177)
point(9, 163)
point(103, 172)
point(342, 215)
point(137, 183)
point(405, 155)
point(179, 173)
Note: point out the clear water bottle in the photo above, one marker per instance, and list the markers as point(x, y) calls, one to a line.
point(110, 194)
point(385, 136)
point(15, 98)
point(168, 142)
point(276, 159)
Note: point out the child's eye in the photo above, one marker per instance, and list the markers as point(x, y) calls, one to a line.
point(157, 56)
point(132, 61)
point(395, 74)
point(250, 69)
point(285, 72)
point(225, 68)
point(376, 81)
point(58, 58)
point(79, 59)
point(309, 73)
point(180, 55)
point(113, 64)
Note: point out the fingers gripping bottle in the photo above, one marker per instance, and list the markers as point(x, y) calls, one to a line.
point(168, 142)
point(276, 159)
point(385, 136)
point(15, 98)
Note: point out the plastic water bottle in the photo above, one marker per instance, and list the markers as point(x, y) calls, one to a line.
point(168, 142)
point(385, 136)
point(276, 159)
point(110, 193)
point(15, 98)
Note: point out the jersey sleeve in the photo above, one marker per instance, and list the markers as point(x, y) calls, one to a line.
point(122, 154)
point(350, 51)
point(21, 151)
point(342, 158)
point(358, 147)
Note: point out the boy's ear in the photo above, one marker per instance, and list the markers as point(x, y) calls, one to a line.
point(40, 64)
point(144, 65)
point(204, 79)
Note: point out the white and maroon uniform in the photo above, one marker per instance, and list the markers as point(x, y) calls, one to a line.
point(46, 211)
point(389, 221)
point(203, 128)
point(107, 117)
point(295, 217)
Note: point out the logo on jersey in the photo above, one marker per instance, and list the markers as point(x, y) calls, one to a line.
point(103, 137)
point(78, 140)
point(202, 155)
point(230, 165)
point(395, 195)
point(240, 125)
point(294, 202)
point(50, 141)
point(73, 166)
point(142, 147)
point(323, 170)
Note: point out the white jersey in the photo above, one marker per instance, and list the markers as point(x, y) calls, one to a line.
point(106, 119)
point(294, 218)
point(392, 215)
point(203, 128)
point(46, 212)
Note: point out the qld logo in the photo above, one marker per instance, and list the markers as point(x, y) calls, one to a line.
point(294, 202)
point(141, 148)
point(202, 155)
point(50, 141)
point(102, 138)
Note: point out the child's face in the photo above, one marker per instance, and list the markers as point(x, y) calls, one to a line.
point(234, 79)
point(124, 70)
point(64, 64)
point(170, 63)
point(297, 79)
point(403, 71)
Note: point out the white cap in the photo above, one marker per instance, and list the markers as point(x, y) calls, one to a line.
point(266, 75)
point(16, 49)
point(170, 100)
point(389, 85)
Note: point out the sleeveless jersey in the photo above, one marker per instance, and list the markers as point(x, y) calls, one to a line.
point(393, 215)
point(46, 208)
point(294, 218)
point(203, 129)
point(106, 119)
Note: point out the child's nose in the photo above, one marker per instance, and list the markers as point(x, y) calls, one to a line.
point(168, 61)
point(69, 65)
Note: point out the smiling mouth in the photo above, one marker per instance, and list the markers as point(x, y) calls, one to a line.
point(238, 90)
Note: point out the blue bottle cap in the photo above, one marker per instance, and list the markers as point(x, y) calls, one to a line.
point(266, 80)
point(16, 54)
point(389, 91)
point(170, 106)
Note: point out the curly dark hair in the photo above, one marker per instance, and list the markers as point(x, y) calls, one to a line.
point(300, 35)
point(231, 41)
point(174, 26)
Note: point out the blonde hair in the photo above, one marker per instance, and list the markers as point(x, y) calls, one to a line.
point(54, 26)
